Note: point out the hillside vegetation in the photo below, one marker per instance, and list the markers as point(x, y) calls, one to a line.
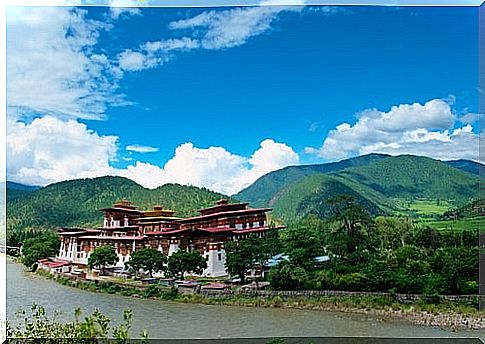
point(17, 191)
point(382, 184)
point(76, 202)
point(266, 188)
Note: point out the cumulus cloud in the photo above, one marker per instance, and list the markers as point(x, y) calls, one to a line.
point(421, 129)
point(52, 66)
point(214, 168)
point(50, 150)
point(141, 149)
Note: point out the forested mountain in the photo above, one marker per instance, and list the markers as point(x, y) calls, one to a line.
point(76, 202)
point(467, 166)
point(377, 184)
point(267, 187)
point(261, 192)
point(17, 190)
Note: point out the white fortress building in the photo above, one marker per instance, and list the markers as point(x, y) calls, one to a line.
point(127, 229)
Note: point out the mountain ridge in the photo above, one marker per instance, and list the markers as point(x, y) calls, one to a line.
point(76, 202)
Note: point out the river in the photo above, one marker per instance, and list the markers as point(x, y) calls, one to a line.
point(179, 320)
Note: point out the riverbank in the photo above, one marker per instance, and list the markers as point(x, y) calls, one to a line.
point(445, 314)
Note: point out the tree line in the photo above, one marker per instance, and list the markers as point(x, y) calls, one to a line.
point(385, 254)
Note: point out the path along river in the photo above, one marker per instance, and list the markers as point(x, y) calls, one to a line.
point(179, 320)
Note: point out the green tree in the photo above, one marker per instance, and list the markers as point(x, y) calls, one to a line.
point(102, 256)
point(244, 254)
point(287, 276)
point(413, 269)
point(428, 237)
point(353, 236)
point(148, 259)
point(304, 240)
point(42, 246)
point(393, 231)
point(457, 266)
point(182, 261)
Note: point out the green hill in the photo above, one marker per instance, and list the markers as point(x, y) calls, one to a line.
point(17, 191)
point(467, 166)
point(380, 184)
point(309, 197)
point(411, 177)
point(76, 202)
point(265, 189)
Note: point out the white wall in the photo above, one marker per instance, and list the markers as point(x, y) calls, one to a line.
point(215, 267)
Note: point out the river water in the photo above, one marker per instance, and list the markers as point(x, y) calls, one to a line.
point(178, 320)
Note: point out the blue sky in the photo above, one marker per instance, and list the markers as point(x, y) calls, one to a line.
point(217, 97)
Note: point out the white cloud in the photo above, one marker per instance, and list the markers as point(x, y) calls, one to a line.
point(213, 167)
point(52, 67)
point(120, 8)
point(51, 150)
point(470, 118)
point(230, 28)
point(141, 149)
point(153, 54)
point(213, 30)
point(406, 129)
point(271, 156)
point(133, 61)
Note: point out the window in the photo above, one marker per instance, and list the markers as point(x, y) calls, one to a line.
point(219, 256)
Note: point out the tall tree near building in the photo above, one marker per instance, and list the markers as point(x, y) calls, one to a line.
point(354, 234)
point(148, 259)
point(43, 246)
point(243, 255)
point(102, 257)
point(181, 262)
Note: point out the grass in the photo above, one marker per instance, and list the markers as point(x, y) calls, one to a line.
point(430, 207)
point(476, 223)
point(337, 303)
point(423, 207)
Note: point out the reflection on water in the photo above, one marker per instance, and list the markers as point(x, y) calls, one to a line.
point(178, 320)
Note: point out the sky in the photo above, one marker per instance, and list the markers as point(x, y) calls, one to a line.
point(218, 97)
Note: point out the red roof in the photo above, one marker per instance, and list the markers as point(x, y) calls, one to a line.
point(220, 214)
point(123, 210)
point(98, 237)
point(76, 231)
point(53, 263)
point(258, 229)
point(234, 230)
point(119, 228)
point(216, 229)
point(175, 231)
